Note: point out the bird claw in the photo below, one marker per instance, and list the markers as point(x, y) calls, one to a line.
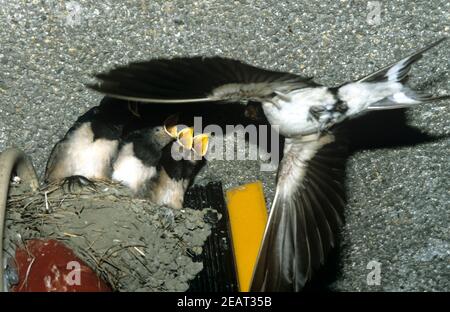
point(77, 181)
point(315, 112)
point(322, 116)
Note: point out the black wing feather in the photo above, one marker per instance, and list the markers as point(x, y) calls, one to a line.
point(306, 215)
point(192, 79)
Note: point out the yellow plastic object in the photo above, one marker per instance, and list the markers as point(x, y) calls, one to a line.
point(248, 218)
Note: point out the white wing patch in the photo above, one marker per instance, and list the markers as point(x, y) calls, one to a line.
point(291, 113)
point(401, 97)
point(392, 73)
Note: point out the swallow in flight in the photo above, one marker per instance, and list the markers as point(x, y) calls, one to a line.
point(307, 210)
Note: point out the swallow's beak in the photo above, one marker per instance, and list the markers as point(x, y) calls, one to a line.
point(186, 138)
point(170, 126)
point(200, 144)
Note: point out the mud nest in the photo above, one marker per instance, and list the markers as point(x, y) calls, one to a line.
point(130, 243)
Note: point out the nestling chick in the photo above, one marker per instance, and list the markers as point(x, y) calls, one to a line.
point(139, 155)
point(180, 162)
point(89, 147)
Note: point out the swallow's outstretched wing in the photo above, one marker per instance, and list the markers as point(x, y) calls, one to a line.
point(306, 214)
point(196, 79)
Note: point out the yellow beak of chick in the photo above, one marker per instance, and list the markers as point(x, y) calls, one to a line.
point(185, 137)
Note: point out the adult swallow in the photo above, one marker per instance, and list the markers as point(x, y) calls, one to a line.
point(87, 150)
point(140, 153)
point(180, 163)
point(307, 209)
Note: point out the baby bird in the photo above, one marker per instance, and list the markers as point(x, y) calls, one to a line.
point(307, 210)
point(180, 163)
point(140, 153)
point(89, 147)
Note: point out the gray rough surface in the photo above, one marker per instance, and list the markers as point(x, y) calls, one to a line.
point(398, 198)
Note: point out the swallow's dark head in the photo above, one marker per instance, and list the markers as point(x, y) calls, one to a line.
point(148, 143)
point(158, 135)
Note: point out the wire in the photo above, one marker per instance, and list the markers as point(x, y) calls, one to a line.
point(12, 160)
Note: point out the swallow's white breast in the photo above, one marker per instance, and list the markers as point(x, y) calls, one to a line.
point(168, 192)
point(130, 171)
point(86, 157)
point(292, 113)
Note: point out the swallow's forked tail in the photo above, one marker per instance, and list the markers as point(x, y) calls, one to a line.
point(398, 72)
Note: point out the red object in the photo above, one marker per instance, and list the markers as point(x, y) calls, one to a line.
point(50, 266)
